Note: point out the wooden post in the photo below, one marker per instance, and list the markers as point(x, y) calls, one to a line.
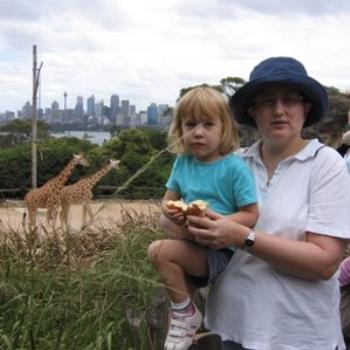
point(36, 73)
point(34, 112)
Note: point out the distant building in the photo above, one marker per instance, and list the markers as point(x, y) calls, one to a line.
point(7, 117)
point(114, 109)
point(163, 113)
point(125, 110)
point(79, 110)
point(55, 113)
point(143, 117)
point(152, 114)
point(27, 110)
point(91, 106)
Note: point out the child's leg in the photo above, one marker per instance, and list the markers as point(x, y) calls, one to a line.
point(172, 230)
point(174, 260)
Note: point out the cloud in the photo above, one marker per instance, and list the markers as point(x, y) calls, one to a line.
point(288, 8)
point(146, 51)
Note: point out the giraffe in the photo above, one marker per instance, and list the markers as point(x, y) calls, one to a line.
point(81, 193)
point(47, 196)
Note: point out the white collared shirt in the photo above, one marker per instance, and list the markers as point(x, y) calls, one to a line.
point(261, 307)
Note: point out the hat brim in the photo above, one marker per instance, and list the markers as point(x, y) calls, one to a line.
point(314, 92)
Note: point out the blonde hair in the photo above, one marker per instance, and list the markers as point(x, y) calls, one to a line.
point(202, 104)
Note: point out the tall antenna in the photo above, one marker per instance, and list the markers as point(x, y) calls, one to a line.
point(36, 75)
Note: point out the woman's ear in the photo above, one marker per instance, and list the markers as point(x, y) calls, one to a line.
point(251, 112)
point(307, 108)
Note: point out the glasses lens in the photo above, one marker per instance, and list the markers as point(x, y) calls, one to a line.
point(269, 101)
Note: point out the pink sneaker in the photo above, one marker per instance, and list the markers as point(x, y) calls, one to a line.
point(182, 329)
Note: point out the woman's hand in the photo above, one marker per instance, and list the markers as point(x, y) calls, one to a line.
point(217, 231)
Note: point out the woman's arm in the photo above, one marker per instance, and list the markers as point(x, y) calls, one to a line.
point(315, 258)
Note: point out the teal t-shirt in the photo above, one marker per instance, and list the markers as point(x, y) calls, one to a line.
point(226, 184)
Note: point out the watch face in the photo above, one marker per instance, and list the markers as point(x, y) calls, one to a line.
point(249, 243)
point(250, 240)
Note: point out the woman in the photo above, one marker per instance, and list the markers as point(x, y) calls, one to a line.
point(280, 290)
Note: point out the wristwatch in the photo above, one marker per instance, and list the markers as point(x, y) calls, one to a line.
point(249, 240)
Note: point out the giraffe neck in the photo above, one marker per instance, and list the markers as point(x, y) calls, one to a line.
point(93, 179)
point(63, 176)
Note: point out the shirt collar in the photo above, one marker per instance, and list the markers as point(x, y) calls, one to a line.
point(309, 151)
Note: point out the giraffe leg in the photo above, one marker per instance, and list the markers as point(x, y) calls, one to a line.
point(89, 211)
point(64, 215)
point(32, 212)
point(54, 214)
point(50, 217)
point(84, 214)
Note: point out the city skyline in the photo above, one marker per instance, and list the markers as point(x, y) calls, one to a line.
point(73, 104)
point(96, 112)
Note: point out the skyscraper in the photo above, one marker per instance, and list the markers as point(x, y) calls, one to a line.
point(65, 117)
point(55, 112)
point(79, 110)
point(163, 114)
point(114, 109)
point(91, 106)
point(27, 110)
point(125, 110)
point(99, 108)
point(152, 114)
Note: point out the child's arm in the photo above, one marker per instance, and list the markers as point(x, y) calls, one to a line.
point(246, 215)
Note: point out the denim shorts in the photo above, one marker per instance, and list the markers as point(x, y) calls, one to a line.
point(217, 261)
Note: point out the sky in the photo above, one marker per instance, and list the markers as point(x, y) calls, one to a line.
point(148, 50)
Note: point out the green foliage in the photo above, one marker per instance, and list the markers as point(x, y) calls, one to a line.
point(231, 84)
point(15, 165)
point(24, 126)
point(48, 303)
point(53, 155)
point(183, 91)
point(135, 148)
point(227, 85)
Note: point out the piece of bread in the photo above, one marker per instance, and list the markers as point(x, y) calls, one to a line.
point(180, 205)
point(197, 207)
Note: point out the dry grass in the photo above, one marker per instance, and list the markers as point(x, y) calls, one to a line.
point(93, 289)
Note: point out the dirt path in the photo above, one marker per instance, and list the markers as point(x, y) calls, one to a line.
point(11, 212)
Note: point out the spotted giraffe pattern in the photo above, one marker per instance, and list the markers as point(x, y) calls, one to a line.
point(81, 193)
point(47, 196)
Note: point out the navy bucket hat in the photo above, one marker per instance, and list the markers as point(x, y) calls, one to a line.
point(280, 71)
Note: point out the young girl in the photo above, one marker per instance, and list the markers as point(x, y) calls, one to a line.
point(204, 136)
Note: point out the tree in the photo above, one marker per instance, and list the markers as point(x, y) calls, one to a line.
point(24, 126)
point(230, 85)
point(183, 91)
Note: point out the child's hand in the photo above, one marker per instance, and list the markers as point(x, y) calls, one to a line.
point(177, 216)
point(174, 214)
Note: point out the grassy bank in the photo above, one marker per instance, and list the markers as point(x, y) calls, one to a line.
point(86, 290)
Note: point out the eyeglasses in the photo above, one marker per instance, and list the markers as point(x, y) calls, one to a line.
point(288, 100)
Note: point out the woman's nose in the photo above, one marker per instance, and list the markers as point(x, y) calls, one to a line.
point(278, 107)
